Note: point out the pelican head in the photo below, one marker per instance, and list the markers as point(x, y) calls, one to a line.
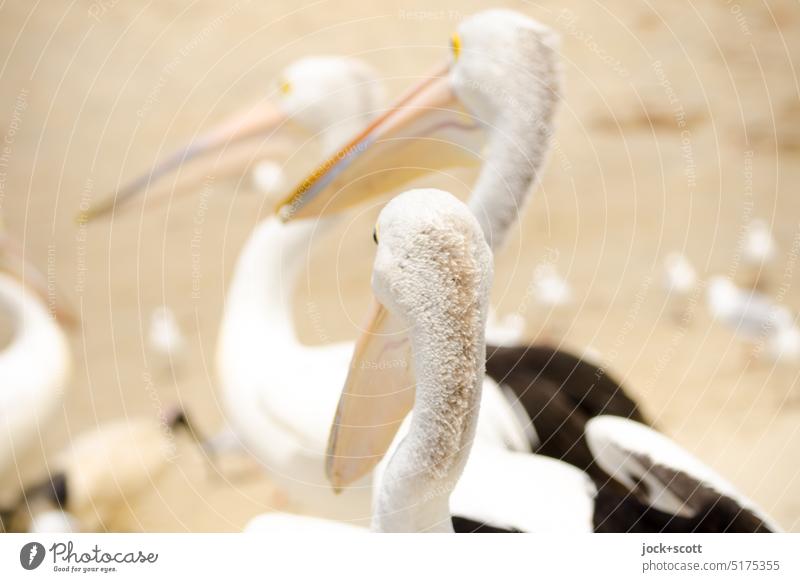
point(327, 97)
point(494, 98)
point(427, 250)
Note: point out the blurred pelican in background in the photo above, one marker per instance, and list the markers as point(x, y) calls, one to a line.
point(35, 361)
point(260, 359)
point(679, 282)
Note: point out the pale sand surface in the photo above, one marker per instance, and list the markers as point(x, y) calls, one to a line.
point(96, 100)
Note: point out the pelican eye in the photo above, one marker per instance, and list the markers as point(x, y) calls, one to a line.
point(455, 45)
point(375, 234)
point(285, 87)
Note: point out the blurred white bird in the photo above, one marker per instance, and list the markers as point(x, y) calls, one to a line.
point(165, 339)
point(758, 251)
point(553, 293)
point(504, 331)
point(680, 279)
point(754, 317)
point(549, 288)
point(784, 345)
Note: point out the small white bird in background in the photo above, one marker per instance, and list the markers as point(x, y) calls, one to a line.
point(550, 288)
point(269, 178)
point(552, 292)
point(754, 317)
point(505, 331)
point(165, 340)
point(758, 252)
point(680, 280)
point(784, 345)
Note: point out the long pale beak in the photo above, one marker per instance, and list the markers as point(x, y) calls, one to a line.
point(425, 130)
point(264, 119)
point(377, 396)
point(12, 261)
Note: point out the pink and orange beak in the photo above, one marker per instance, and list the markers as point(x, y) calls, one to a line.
point(263, 124)
point(424, 131)
point(377, 396)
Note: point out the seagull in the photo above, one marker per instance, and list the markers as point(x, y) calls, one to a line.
point(680, 280)
point(165, 339)
point(758, 251)
point(754, 317)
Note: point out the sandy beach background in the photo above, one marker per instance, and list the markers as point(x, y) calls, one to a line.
point(681, 122)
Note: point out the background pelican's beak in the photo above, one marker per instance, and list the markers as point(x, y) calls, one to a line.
point(13, 262)
point(426, 129)
point(377, 396)
point(262, 120)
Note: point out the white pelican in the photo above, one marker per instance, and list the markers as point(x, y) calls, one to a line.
point(433, 270)
point(35, 363)
point(674, 491)
point(680, 280)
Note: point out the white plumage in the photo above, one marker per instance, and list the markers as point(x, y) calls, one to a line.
point(34, 368)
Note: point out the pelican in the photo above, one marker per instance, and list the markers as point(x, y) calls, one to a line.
point(433, 270)
point(35, 363)
point(98, 474)
point(670, 490)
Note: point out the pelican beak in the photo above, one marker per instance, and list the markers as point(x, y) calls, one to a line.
point(426, 129)
point(377, 396)
point(13, 262)
point(261, 120)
